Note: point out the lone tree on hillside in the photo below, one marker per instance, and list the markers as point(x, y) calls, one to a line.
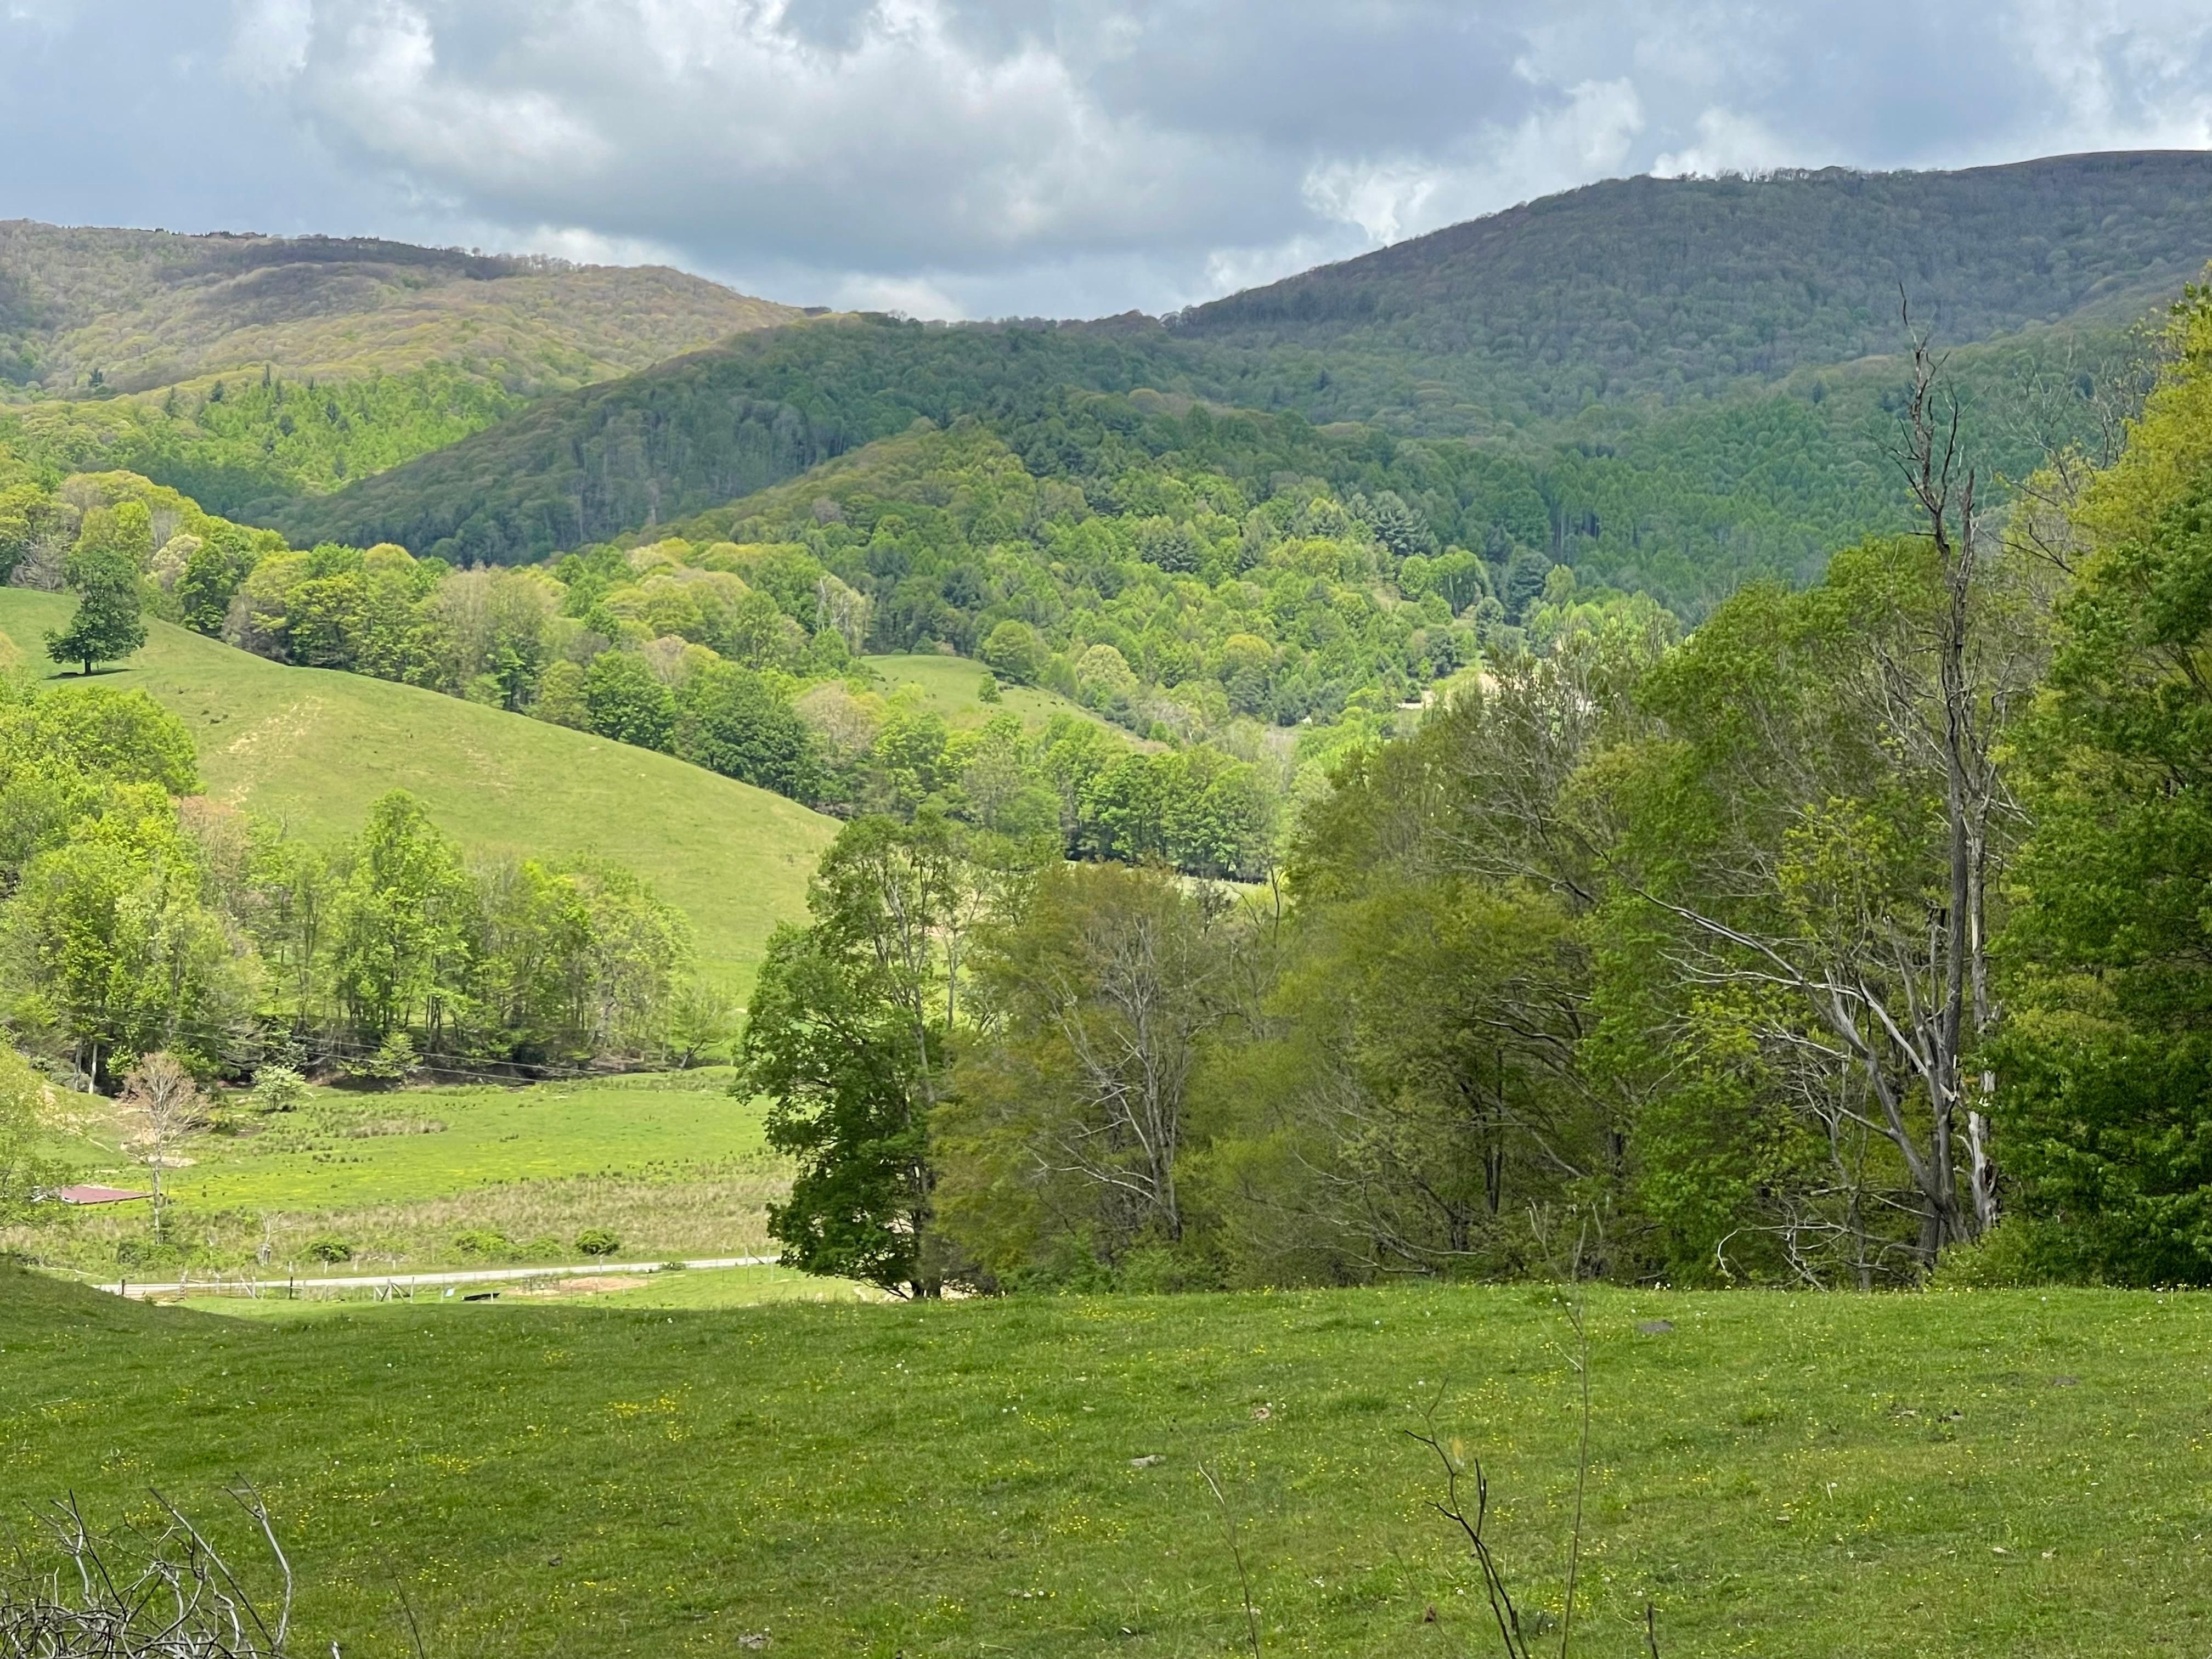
point(104, 570)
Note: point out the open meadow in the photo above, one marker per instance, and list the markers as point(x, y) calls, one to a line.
point(951, 688)
point(483, 1174)
point(1996, 1473)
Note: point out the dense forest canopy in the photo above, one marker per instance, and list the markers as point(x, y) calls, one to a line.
point(1667, 290)
point(1856, 936)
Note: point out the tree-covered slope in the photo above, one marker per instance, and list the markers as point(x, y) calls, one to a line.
point(250, 370)
point(706, 428)
point(146, 309)
point(313, 750)
point(1670, 289)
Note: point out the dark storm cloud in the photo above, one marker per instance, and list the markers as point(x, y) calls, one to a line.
point(998, 156)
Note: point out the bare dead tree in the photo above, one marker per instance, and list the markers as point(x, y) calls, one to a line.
point(162, 1108)
point(181, 1602)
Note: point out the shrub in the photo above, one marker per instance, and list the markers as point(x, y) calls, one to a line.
point(481, 1241)
point(279, 1089)
point(331, 1250)
point(598, 1241)
point(146, 1253)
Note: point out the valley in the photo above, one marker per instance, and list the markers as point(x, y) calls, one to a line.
point(1071, 970)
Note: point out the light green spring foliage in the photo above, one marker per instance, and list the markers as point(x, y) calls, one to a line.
point(137, 922)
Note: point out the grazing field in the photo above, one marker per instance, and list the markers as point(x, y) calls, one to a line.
point(313, 749)
point(2017, 1474)
point(421, 1178)
point(692, 1289)
point(952, 688)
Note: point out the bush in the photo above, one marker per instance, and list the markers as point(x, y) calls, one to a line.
point(279, 1089)
point(2017, 1251)
point(331, 1250)
point(598, 1241)
point(481, 1241)
point(143, 1253)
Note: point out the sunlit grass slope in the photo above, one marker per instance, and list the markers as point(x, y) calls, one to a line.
point(1794, 1477)
point(952, 688)
point(313, 749)
point(347, 1148)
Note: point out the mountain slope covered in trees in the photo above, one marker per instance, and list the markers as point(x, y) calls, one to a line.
point(1733, 341)
point(250, 370)
point(1667, 290)
point(143, 310)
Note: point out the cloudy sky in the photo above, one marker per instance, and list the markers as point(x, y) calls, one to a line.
point(1022, 157)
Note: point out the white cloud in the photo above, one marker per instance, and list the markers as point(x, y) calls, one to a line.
point(1586, 134)
point(1729, 143)
point(987, 157)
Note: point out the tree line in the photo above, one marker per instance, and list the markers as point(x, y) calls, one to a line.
point(1856, 937)
point(140, 917)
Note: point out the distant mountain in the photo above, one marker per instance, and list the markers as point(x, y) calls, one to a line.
point(143, 310)
point(1665, 290)
point(1697, 369)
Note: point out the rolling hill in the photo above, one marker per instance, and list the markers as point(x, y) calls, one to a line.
point(1640, 316)
point(259, 369)
point(313, 748)
point(1670, 289)
point(147, 310)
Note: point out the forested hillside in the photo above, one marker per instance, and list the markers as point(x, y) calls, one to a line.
point(130, 311)
point(250, 370)
point(1683, 503)
point(1669, 289)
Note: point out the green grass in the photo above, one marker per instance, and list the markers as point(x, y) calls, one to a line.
point(313, 748)
point(672, 1163)
point(2009, 1473)
point(691, 1289)
point(951, 687)
point(348, 1148)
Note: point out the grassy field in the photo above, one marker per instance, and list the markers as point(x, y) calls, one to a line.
point(692, 1289)
point(951, 686)
point(670, 1163)
point(2016, 1473)
point(313, 749)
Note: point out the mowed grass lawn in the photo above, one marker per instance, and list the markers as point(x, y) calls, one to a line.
point(313, 748)
point(2001, 1473)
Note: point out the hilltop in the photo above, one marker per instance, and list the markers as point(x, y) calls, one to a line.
point(1671, 289)
point(252, 370)
point(313, 749)
point(149, 309)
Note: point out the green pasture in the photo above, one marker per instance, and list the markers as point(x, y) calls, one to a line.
point(313, 748)
point(952, 687)
point(2021, 1473)
point(690, 1288)
point(353, 1148)
point(670, 1163)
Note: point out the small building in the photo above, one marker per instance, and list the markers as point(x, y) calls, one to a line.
point(95, 1194)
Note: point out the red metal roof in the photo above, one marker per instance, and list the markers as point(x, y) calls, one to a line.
point(94, 1194)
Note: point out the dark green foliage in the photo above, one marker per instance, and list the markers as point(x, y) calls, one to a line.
point(699, 431)
point(598, 1241)
point(1668, 289)
point(2108, 1109)
point(730, 719)
point(627, 701)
